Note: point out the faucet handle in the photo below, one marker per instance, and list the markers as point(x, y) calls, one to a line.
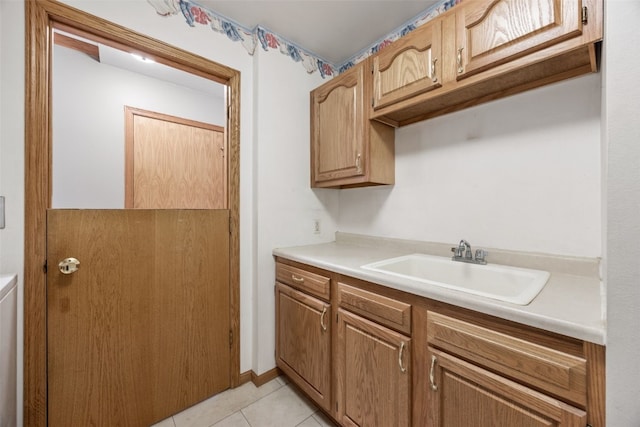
point(457, 251)
point(480, 255)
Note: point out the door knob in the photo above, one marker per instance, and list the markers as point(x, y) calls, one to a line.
point(68, 265)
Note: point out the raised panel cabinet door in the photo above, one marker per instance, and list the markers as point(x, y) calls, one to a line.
point(410, 66)
point(337, 140)
point(303, 342)
point(492, 32)
point(373, 371)
point(461, 394)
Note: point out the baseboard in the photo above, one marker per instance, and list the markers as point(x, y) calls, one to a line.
point(259, 380)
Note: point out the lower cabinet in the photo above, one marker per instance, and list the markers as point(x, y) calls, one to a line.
point(373, 374)
point(370, 356)
point(462, 394)
point(303, 342)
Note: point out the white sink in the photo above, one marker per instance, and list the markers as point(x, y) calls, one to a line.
point(509, 284)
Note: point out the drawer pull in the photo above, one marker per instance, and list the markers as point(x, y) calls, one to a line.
point(400, 354)
point(432, 381)
point(322, 324)
point(297, 279)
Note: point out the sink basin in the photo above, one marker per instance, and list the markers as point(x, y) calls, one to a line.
point(510, 284)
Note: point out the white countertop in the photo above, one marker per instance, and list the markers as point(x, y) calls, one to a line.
point(7, 282)
point(570, 304)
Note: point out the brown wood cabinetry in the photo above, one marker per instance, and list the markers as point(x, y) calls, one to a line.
point(383, 357)
point(411, 67)
point(490, 374)
point(303, 336)
point(490, 49)
point(463, 394)
point(347, 149)
point(373, 362)
point(373, 373)
point(491, 33)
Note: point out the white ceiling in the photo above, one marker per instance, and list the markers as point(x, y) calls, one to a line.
point(334, 30)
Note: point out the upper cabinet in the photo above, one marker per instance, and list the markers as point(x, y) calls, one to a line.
point(487, 49)
point(413, 66)
point(347, 149)
point(490, 33)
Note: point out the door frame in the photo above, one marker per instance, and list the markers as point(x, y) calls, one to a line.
point(41, 17)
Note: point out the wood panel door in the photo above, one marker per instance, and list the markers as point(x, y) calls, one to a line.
point(141, 330)
point(173, 163)
point(373, 367)
point(462, 394)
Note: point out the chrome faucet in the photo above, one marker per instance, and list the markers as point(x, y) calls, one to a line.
point(463, 253)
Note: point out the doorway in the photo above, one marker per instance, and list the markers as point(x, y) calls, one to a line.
point(42, 16)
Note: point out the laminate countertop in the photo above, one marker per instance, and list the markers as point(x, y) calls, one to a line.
point(571, 303)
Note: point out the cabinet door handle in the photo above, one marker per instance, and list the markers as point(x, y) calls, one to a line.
point(322, 324)
point(434, 77)
point(459, 60)
point(297, 279)
point(358, 163)
point(432, 381)
point(400, 354)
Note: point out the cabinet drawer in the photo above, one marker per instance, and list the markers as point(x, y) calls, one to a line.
point(307, 281)
point(547, 369)
point(385, 311)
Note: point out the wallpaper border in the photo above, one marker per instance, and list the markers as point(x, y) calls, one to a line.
point(194, 14)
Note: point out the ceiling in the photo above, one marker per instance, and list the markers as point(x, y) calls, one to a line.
point(334, 30)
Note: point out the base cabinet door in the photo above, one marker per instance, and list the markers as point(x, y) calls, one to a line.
point(462, 394)
point(373, 374)
point(303, 342)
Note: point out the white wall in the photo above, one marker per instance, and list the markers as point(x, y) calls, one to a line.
point(621, 135)
point(286, 205)
point(88, 124)
point(521, 173)
point(12, 155)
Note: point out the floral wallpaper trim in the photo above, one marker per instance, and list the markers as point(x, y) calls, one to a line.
point(196, 14)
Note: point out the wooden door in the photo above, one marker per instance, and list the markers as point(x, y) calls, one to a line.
point(337, 139)
point(141, 330)
point(492, 32)
point(303, 341)
point(173, 163)
point(464, 395)
point(410, 66)
point(373, 367)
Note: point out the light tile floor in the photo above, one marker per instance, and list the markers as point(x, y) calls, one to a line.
point(274, 404)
